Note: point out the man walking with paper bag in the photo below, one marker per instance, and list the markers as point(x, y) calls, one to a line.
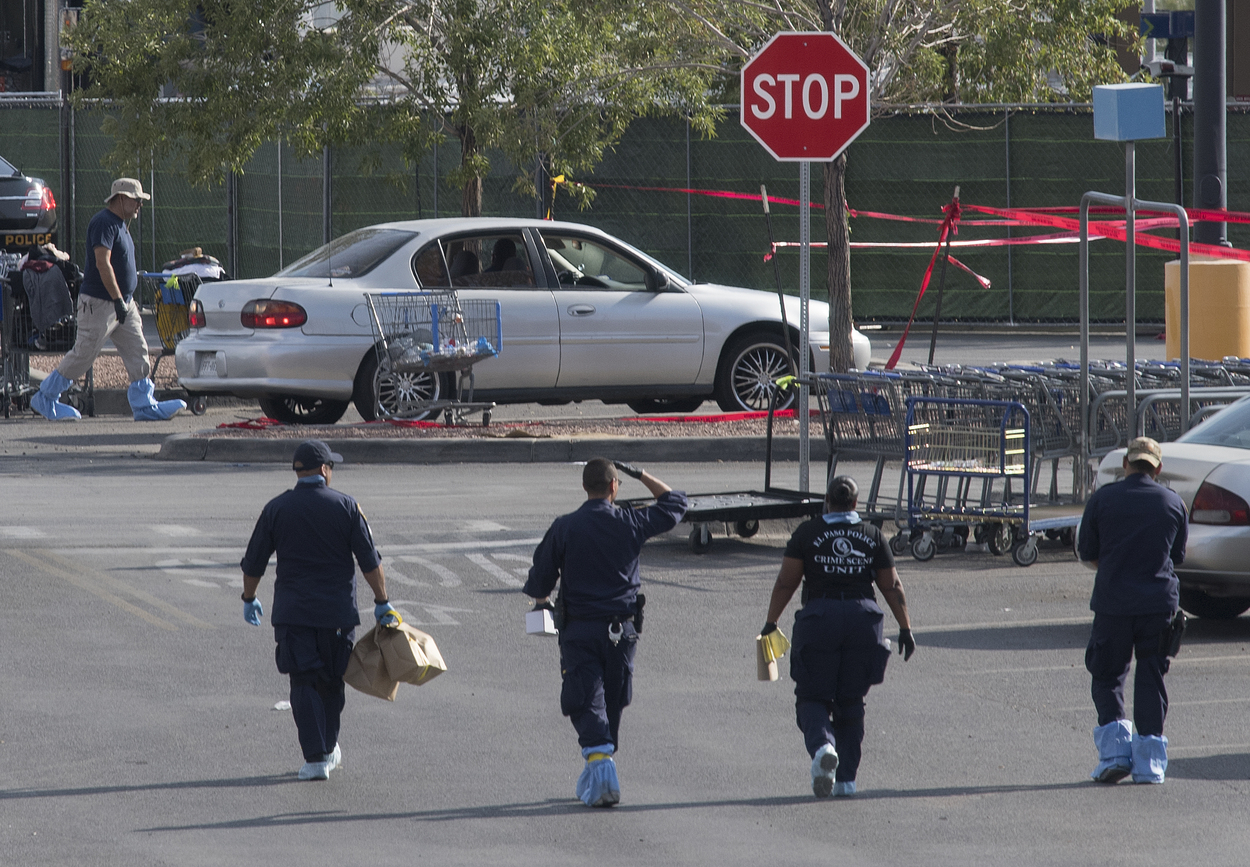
point(593, 553)
point(316, 532)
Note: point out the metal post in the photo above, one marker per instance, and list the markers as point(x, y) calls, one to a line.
point(689, 214)
point(1011, 301)
point(436, 181)
point(232, 224)
point(281, 264)
point(1083, 400)
point(152, 210)
point(1210, 113)
point(1087, 423)
point(805, 294)
point(326, 196)
point(1130, 280)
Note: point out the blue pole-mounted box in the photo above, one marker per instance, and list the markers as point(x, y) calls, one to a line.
point(1127, 112)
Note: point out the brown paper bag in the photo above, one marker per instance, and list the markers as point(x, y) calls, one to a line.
point(411, 655)
point(366, 670)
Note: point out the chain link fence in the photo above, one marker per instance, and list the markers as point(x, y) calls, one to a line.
point(907, 163)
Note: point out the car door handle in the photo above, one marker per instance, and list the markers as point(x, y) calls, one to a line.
point(581, 310)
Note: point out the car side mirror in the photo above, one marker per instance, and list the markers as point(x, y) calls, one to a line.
point(657, 281)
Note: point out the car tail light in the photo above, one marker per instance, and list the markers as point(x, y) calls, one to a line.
point(1216, 505)
point(48, 202)
point(263, 313)
point(195, 315)
point(34, 199)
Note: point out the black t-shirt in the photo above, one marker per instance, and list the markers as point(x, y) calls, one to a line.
point(839, 557)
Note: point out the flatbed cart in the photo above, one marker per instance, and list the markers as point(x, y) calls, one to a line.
point(742, 509)
point(19, 341)
point(423, 334)
point(962, 457)
point(170, 296)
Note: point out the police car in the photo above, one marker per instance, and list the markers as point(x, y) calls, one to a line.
point(27, 210)
point(585, 316)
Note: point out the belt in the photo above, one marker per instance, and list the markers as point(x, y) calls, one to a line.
point(841, 594)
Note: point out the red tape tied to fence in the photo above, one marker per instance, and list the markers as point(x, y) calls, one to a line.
point(950, 226)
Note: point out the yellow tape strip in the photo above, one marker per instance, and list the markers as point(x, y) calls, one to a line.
point(122, 587)
point(83, 584)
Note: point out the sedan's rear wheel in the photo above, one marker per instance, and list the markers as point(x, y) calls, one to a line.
point(1210, 607)
point(382, 392)
point(299, 409)
point(750, 365)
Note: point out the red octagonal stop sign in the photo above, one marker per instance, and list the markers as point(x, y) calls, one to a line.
point(805, 96)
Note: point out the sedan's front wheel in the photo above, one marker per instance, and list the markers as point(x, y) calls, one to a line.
point(383, 392)
point(750, 366)
point(298, 409)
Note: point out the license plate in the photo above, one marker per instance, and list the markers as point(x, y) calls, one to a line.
point(208, 365)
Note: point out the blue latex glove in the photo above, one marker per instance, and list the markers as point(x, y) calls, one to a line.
point(386, 615)
point(252, 611)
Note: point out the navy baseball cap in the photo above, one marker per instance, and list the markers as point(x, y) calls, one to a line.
point(311, 454)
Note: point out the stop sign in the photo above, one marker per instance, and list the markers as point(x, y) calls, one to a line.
point(805, 96)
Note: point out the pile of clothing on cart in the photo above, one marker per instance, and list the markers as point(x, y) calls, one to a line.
point(195, 261)
point(46, 296)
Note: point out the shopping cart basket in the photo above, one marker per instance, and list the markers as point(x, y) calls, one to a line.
point(420, 335)
point(170, 296)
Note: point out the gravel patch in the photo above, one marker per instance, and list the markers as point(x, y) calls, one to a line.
point(581, 428)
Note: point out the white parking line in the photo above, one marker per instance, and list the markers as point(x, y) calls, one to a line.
point(22, 533)
point(446, 577)
point(503, 575)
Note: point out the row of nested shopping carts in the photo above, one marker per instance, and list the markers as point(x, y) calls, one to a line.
point(993, 454)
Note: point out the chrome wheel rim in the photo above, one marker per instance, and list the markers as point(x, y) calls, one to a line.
point(754, 373)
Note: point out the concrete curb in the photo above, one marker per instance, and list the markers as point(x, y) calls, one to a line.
point(193, 447)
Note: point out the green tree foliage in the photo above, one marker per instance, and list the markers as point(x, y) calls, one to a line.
point(556, 81)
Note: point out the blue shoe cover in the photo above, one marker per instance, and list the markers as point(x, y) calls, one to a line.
point(141, 395)
point(598, 785)
point(1150, 758)
point(46, 401)
point(844, 789)
point(824, 763)
point(1115, 751)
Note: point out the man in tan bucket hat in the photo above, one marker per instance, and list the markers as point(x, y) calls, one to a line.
point(106, 310)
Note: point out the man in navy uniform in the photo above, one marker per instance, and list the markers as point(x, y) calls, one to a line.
point(593, 553)
point(838, 651)
point(1133, 533)
point(316, 531)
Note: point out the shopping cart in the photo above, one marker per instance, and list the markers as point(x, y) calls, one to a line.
point(421, 335)
point(19, 340)
point(968, 465)
point(170, 297)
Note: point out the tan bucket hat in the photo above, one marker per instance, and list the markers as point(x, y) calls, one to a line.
point(128, 187)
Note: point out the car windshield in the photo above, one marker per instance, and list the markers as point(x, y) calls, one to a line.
point(1228, 427)
point(7, 168)
point(353, 255)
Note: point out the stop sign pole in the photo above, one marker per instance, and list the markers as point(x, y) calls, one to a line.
point(805, 97)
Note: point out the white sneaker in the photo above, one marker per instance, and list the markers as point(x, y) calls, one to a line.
point(334, 759)
point(315, 771)
point(824, 763)
point(844, 789)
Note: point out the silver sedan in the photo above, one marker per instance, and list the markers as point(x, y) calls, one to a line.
point(584, 315)
point(1210, 468)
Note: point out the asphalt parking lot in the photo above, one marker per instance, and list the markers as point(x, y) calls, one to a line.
point(139, 725)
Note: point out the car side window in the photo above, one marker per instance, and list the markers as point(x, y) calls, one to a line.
point(588, 264)
point(498, 260)
point(430, 268)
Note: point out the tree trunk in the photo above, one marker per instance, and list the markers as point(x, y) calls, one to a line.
point(471, 200)
point(841, 354)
